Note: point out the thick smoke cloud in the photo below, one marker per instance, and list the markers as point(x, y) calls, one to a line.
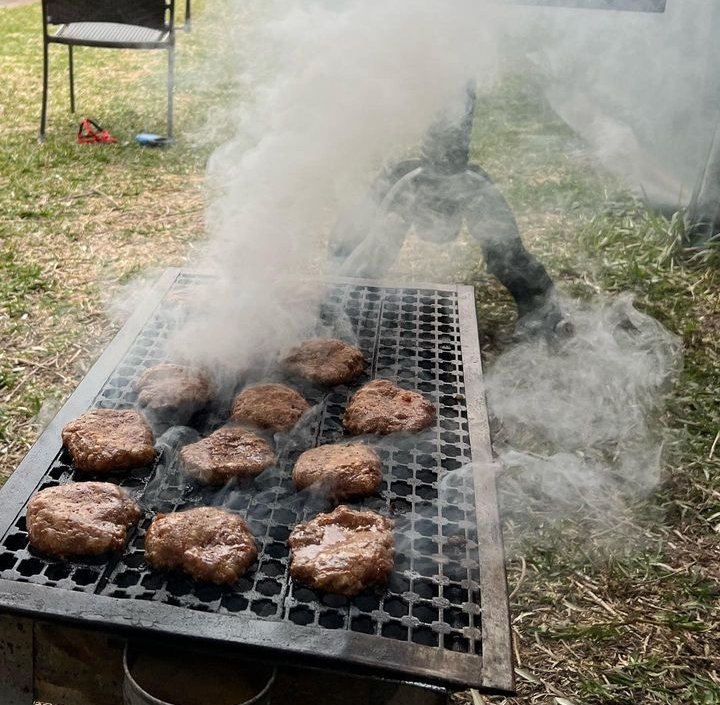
point(354, 83)
point(580, 426)
point(351, 84)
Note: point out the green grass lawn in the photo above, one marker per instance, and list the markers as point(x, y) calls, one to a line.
point(76, 221)
point(592, 624)
point(596, 622)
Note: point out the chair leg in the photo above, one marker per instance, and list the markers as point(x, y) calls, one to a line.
point(72, 79)
point(188, 21)
point(43, 111)
point(170, 85)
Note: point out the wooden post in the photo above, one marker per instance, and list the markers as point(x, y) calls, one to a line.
point(16, 660)
point(77, 667)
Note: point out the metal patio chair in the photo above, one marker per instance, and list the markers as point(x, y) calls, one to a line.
point(114, 24)
point(187, 24)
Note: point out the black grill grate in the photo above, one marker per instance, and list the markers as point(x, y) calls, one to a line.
point(409, 335)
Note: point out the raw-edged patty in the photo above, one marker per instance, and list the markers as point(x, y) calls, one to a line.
point(209, 543)
point(103, 440)
point(343, 551)
point(231, 451)
point(81, 519)
point(273, 406)
point(167, 389)
point(327, 361)
point(382, 407)
point(340, 471)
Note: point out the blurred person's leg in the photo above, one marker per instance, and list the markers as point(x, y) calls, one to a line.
point(435, 193)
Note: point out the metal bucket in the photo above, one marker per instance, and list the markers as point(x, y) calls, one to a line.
point(158, 675)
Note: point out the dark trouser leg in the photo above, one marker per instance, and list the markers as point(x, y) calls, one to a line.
point(520, 273)
point(527, 280)
point(354, 228)
point(464, 187)
point(447, 188)
point(381, 245)
point(445, 152)
point(491, 222)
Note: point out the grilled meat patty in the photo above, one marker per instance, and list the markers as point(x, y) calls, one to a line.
point(81, 519)
point(103, 440)
point(229, 452)
point(209, 543)
point(272, 406)
point(327, 361)
point(343, 551)
point(340, 471)
point(382, 407)
point(168, 389)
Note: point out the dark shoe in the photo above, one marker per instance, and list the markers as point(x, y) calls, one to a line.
point(545, 320)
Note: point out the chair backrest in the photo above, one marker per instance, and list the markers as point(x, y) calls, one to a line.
point(145, 13)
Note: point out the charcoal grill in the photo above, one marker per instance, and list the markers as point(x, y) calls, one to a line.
point(443, 619)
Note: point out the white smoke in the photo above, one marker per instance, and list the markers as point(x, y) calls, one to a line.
point(639, 87)
point(350, 84)
point(580, 426)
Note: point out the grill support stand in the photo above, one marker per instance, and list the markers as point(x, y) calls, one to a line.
point(16, 660)
point(58, 664)
point(63, 665)
point(80, 664)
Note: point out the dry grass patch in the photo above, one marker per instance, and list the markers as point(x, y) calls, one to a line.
point(78, 221)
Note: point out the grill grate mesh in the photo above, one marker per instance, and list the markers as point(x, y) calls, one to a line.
point(410, 336)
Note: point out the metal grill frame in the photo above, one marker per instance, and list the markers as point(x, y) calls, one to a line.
point(492, 671)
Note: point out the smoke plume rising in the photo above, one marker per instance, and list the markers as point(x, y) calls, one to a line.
point(351, 84)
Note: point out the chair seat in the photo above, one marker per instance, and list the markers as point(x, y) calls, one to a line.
point(109, 34)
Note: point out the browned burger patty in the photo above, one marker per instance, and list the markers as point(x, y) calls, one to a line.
point(342, 552)
point(167, 388)
point(383, 407)
point(341, 471)
point(272, 406)
point(81, 519)
point(209, 543)
point(229, 452)
point(326, 361)
point(103, 440)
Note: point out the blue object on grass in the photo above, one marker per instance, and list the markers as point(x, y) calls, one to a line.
point(148, 139)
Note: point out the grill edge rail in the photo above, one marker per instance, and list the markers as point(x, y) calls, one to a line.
point(491, 671)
